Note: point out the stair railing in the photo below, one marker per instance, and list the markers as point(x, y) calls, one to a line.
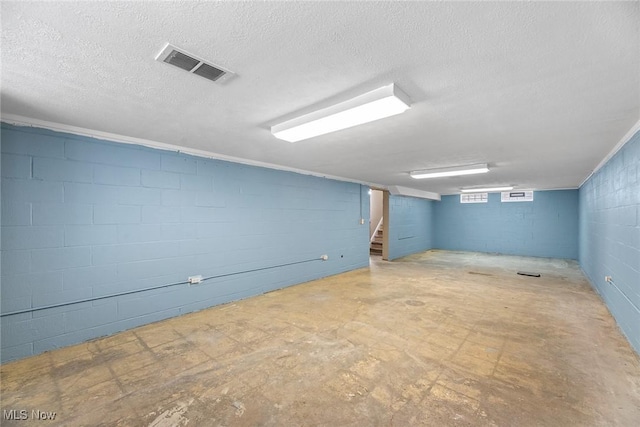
point(373, 236)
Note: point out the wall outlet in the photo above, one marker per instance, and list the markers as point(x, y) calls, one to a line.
point(361, 221)
point(608, 279)
point(194, 280)
point(324, 257)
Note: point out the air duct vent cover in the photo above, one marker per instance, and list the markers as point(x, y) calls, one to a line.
point(191, 63)
point(516, 196)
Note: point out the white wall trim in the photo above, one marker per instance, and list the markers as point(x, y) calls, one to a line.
point(113, 137)
point(634, 129)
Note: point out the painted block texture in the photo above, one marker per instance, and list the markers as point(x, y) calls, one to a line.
point(610, 236)
point(546, 227)
point(84, 218)
point(410, 225)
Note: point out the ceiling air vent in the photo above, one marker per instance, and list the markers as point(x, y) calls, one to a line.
point(191, 63)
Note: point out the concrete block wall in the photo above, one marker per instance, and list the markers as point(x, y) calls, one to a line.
point(84, 218)
point(610, 236)
point(546, 227)
point(410, 225)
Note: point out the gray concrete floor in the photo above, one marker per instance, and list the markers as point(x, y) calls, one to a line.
point(439, 338)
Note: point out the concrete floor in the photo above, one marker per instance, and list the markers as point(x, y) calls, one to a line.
point(439, 338)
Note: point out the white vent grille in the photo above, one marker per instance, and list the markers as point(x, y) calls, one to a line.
point(180, 58)
point(516, 196)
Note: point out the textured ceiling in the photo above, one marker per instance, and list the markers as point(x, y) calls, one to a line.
point(540, 91)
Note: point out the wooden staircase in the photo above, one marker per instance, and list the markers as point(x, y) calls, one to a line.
point(375, 247)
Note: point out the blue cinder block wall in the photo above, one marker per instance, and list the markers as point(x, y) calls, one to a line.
point(546, 227)
point(84, 218)
point(610, 236)
point(410, 225)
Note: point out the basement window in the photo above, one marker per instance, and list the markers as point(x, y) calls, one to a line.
point(474, 198)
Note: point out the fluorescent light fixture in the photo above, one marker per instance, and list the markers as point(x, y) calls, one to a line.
point(485, 190)
point(379, 103)
point(452, 171)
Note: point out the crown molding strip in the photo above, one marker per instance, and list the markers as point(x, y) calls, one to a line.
point(113, 137)
point(634, 129)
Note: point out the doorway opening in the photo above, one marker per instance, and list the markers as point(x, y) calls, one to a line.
point(377, 233)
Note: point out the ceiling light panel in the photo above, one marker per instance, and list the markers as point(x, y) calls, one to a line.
point(383, 102)
point(450, 171)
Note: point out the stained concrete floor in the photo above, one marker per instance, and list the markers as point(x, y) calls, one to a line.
point(439, 338)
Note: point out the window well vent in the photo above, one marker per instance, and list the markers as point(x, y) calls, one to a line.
point(516, 196)
point(474, 198)
point(191, 63)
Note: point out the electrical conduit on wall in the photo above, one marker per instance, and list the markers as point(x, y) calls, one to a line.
point(197, 280)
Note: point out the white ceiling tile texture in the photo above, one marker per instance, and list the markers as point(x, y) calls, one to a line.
point(540, 91)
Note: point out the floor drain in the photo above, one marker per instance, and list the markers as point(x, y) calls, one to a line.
point(414, 302)
point(526, 273)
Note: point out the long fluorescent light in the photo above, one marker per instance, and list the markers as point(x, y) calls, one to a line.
point(485, 190)
point(452, 171)
point(379, 103)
